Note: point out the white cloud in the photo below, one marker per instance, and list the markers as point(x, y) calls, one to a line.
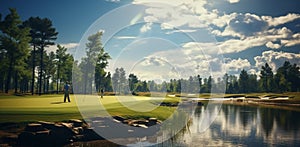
point(253, 30)
point(146, 27)
point(276, 59)
point(125, 37)
point(273, 45)
point(295, 40)
point(283, 36)
point(248, 30)
point(247, 24)
point(69, 46)
point(154, 60)
point(273, 38)
point(281, 19)
point(242, 31)
point(114, 1)
point(236, 65)
point(181, 31)
point(233, 1)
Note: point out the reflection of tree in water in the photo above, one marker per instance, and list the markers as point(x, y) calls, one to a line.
point(247, 115)
point(287, 120)
point(176, 127)
point(267, 120)
point(226, 128)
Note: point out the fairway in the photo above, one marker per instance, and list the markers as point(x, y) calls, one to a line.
point(52, 108)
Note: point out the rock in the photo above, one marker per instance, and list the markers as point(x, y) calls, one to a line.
point(117, 121)
point(119, 118)
point(42, 137)
point(62, 134)
point(79, 138)
point(78, 130)
point(90, 134)
point(76, 122)
point(34, 127)
point(143, 122)
point(142, 126)
point(152, 122)
point(10, 139)
point(68, 125)
point(26, 138)
point(47, 125)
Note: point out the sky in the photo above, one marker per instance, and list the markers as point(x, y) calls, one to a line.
point(163, 39)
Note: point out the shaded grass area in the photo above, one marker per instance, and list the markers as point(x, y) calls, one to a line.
point(51, 108)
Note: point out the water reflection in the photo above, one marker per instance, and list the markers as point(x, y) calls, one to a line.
point(245, 125)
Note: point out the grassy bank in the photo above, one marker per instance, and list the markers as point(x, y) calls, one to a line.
point(51, 108)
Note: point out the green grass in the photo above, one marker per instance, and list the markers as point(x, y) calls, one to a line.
point(51, 108)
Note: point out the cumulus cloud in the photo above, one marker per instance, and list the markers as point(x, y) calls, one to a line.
point(237, 45)
point(240, 31)
point(276, 59)
point(228, 46)
point(282, 36)
point(235, 65)
point(295, 40)
point(243, 30)
point(273, 45)
point(281, 19)
point(155, 61)
point(247, 24)
point(233, 1)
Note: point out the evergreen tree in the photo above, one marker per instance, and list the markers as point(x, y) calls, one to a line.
point(101, 64)
point(243, 81)
point(266, 78)
point(94, 58)
point(44, 34)
point(33, 24)
point(64, 64)
point(14, 44)
point(252, 83)
point(119, 81)
point(107, 83)
point(133, 80)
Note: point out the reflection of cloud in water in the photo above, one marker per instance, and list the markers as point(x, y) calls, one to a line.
point(243, 125)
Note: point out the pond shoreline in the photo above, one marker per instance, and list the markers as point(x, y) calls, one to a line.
point(278, 104)
point(75, 131)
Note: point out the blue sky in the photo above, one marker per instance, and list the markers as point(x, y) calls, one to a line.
point(194, 37)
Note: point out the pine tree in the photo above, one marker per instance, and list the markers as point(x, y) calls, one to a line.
point(14, 42)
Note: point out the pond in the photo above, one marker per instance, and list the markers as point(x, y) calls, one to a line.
point(234, 125)
point(243, 125)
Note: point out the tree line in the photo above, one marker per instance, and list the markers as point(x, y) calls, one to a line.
point(286, 79)
point(26, 66)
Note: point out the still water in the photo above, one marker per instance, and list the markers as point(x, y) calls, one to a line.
point(242, 125)
point(234, 125)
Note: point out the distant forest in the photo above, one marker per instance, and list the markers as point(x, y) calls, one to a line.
point(26, 67)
